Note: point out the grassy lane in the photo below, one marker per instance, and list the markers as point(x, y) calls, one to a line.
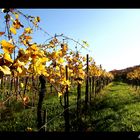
point(117, 108)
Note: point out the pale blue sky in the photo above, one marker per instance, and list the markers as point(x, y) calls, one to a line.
point(113, 34)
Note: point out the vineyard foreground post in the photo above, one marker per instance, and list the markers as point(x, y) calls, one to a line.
point(41, 96)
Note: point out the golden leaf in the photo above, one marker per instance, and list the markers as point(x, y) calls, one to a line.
point(34, 47)
point(64, 47)
point(13, 30)
point(52, 80)
point(17, 24)
point(7, 57)
point(16, 15)
point(28, 30)
point(45, 73)
point(7, 47)
point(19, 69)
point(66, 82)
point(61, 60)
point(60, 94)
point(57, 74)
point(18, 63)
point(60, 53)
point(57, 68)
point(5, 70)
point(37, 19)
point(21, 85)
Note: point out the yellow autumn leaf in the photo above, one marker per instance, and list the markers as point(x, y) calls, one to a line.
point(28, 30)
point(21, 85)
point(45, 73)
point(55, 55)
point(17, 24)
point(28, 37)
point(52, 80)
point(57, 74)
point(34, 47)
point(25, 42)
point(5, 70)
point(60, 53)
point(64, 47)
point(80, 66)
point(44, 59)
point(81, 71)
point(7, 46)
point(16, 15)
point(57, 68)
point(61, 60)
point(19, 69)
point(7, 57)
point(66, 82)
point(13, 30)
point(20, 63)
point(60, 94)
point(71, 74)
point(37, 19)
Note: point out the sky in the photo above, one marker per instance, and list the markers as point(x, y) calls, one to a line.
point(113, 35)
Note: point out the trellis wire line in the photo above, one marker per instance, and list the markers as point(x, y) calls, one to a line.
point(60, 114)
point(27, 17)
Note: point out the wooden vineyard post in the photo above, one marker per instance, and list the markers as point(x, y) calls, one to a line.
point(66, 105)
point(1, 83)
point(78, 99)
point(87, 84)
point(11, 85)
point(41, 97)
point(79, 106)
point(96, 85)
point(25, 88)
point(3, 87)
point(90, 87)
point(34, 91)
point(9, 88)
point(16, 87)
point(45, 120)
point(51, 89)
point(93, 85)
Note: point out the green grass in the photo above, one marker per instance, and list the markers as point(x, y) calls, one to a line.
point(17, 118)
point(117, 108)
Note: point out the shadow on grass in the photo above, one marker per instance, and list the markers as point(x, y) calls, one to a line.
point(109, 112)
